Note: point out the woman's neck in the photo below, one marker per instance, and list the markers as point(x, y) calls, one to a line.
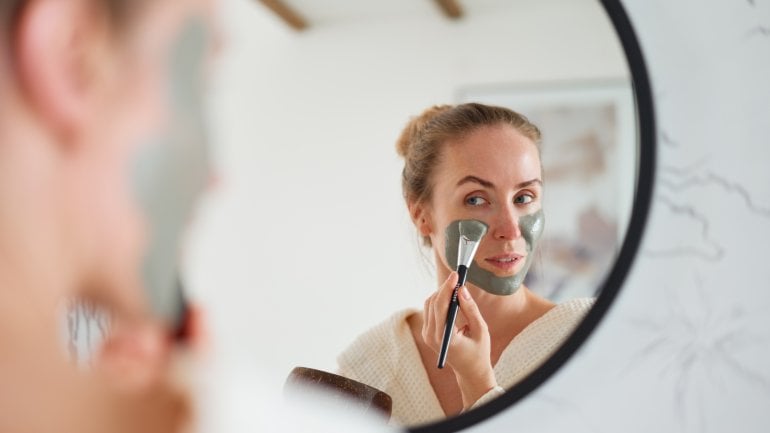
point(507, 316)
point(499, 311)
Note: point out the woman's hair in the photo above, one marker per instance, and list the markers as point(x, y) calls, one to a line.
point(119, 11)
point(424, 137)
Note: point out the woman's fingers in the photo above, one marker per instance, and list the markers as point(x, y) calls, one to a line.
point(435, 312)
point(446, 289)
point(476, 323)
point(431, 321)
point(470, 357)
point(441, 304)
point(469, 349)
point(428, 323)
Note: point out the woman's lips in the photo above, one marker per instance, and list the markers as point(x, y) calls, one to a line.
point(504, 262)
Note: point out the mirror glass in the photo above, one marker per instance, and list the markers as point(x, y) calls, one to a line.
point(305, 242)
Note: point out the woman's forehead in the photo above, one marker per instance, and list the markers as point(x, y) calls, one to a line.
point(495, 153)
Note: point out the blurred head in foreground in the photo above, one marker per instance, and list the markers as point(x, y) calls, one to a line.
point(102, 154)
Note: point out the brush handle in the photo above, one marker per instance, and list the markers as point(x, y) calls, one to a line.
point(180, 320)
point(451, 316)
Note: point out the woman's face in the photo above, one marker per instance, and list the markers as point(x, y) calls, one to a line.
point(151, 163)
point(492, 175)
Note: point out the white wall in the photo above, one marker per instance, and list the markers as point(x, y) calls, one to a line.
point(306, 242)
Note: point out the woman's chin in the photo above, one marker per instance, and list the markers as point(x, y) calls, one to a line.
point(501, 273)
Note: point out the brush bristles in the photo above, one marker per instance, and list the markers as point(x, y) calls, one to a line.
point(473, 230)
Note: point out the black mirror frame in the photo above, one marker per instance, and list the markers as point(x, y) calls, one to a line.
point(646, 136)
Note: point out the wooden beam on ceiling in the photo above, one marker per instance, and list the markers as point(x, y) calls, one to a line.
point(287, 14)
point(451, 8)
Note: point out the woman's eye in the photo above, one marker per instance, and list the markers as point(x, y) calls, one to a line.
point(523, 199)
point(475, 201)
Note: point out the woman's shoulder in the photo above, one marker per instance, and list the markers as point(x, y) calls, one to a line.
point(566, 313)
point(575, 307)
point(539, 339)
point(380, 343)
point(558, 322)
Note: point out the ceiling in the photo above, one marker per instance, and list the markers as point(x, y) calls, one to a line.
point(334, 12)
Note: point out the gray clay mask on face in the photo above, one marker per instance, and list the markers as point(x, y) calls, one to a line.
point(170, 172)
point(531, 227)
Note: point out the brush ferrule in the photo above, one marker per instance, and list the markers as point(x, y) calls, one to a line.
point(466, 249)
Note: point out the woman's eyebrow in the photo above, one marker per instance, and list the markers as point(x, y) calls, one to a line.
point(529, 182)
point(488, 184)
point(482, 182)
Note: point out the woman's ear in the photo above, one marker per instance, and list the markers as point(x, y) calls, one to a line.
point(55, 58)
point(421, 218)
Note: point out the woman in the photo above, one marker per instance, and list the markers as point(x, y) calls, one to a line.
point(480, 162)
point(90, 93)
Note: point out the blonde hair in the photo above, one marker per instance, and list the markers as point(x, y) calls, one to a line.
point(423, 139)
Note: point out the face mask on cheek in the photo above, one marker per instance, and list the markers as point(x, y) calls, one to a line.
point(531, 227)
point(170, 171)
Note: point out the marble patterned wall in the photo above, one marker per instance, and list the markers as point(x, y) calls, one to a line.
point(686, 346)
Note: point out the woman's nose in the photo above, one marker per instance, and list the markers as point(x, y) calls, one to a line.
point(506, 225)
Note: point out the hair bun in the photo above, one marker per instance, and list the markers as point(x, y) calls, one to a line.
point(415, 127)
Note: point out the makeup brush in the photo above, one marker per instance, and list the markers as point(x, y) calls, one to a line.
point(471, 232)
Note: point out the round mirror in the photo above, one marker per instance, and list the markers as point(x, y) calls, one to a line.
point(307, 243)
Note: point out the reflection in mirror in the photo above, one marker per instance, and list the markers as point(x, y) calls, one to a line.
point(308, 242)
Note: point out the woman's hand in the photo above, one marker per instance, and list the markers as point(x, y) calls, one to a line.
point(469, 347)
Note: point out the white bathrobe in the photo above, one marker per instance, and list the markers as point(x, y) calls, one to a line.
point(386, 357)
